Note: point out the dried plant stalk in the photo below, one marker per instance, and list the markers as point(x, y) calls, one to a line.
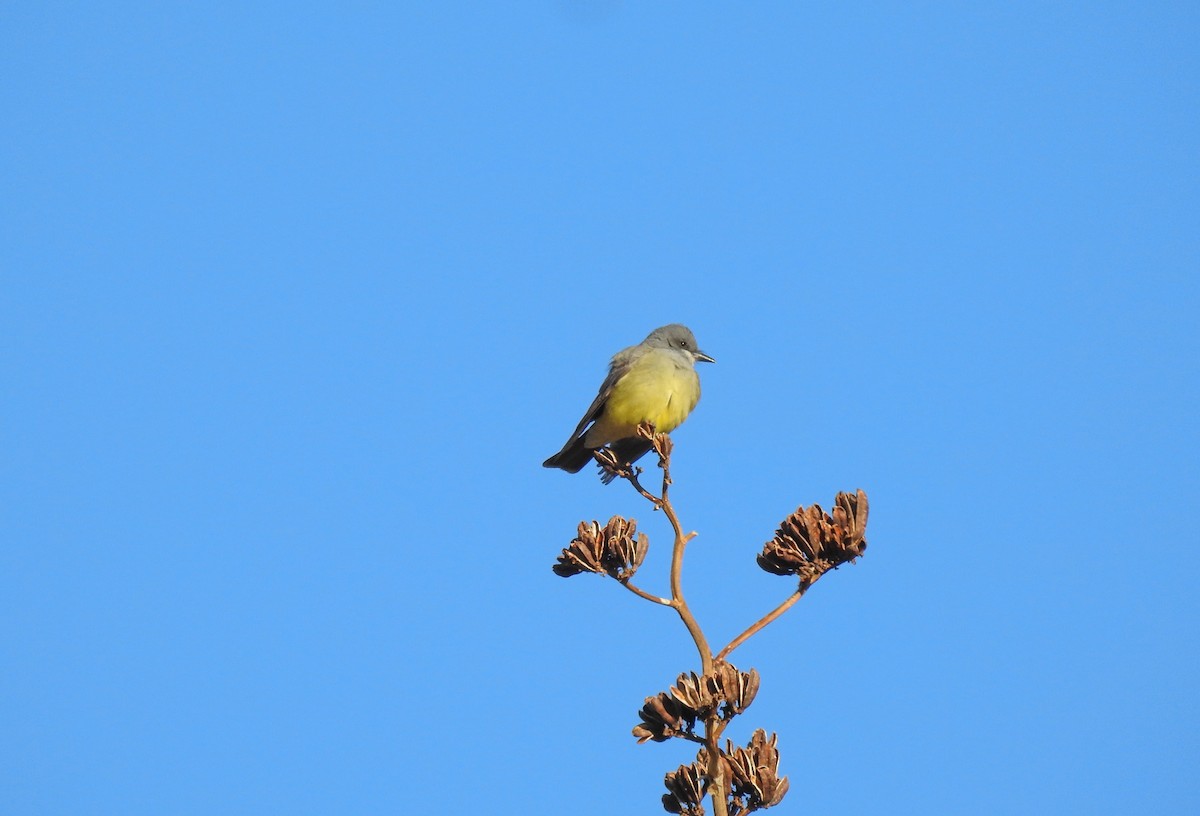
point(698, 707)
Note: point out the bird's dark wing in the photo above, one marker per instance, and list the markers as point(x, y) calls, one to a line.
point(616, 370)
point(573, 456)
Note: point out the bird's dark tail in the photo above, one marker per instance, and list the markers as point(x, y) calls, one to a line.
point(571, 458)
point(574, 455)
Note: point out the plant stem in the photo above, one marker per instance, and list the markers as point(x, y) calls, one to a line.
point(641, 593)
point(718, 786)
point(762, 622)
point(677, 599)
point(637, 485)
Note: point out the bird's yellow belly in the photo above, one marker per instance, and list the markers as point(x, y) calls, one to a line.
point(662, 394)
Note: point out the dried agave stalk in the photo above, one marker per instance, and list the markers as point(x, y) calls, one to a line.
point(698, 707)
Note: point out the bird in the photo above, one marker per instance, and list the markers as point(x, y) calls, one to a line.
point(654, 381)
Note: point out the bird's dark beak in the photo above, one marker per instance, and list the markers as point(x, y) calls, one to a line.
point(701, 357)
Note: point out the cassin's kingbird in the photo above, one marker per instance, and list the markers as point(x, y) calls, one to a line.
point(654, 381)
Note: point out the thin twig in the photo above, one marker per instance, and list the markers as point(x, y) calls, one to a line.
point(762, 622)
point(677, 599)
point(641, 593)
point(646, 494)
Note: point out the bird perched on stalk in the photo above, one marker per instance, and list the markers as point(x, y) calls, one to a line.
point(654, 381)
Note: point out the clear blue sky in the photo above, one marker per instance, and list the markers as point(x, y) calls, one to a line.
point(294, 300)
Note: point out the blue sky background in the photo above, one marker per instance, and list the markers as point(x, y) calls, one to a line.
point(296, 298)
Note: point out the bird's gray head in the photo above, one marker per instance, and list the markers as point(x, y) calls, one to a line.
point(679, 337)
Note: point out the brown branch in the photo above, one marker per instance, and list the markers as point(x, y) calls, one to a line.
point(677, 599)
point(646, 494)
point(764, 621)
point(641, 593)
point(718, 785)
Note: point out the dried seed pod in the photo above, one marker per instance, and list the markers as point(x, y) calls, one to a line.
point(617, 549)
point(737, 689)
point(725, 691)
point(810, 542)
point(695, 692)
point(754, 773)
point(663, 717)
point(686, 790)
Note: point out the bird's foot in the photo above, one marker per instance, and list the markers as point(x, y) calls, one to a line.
point(610, 467)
